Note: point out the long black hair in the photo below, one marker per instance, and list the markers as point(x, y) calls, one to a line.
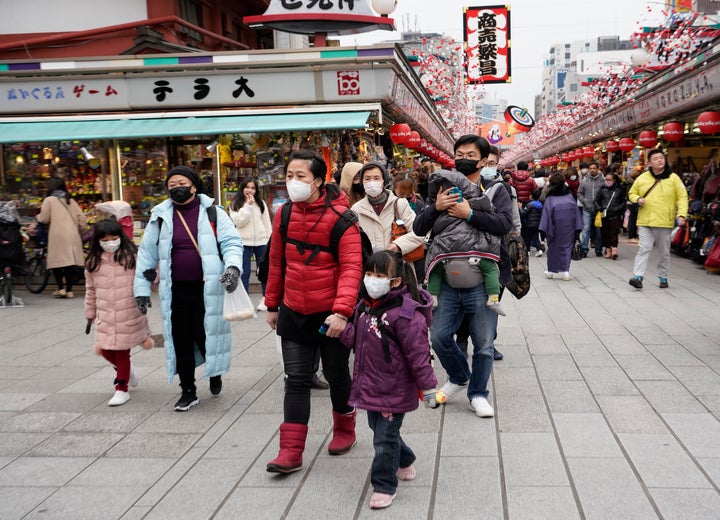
point(391, 263)
point(58, 184)
point(125, 256)
point(239, 199)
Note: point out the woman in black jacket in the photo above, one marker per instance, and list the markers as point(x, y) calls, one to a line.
point(610, 200)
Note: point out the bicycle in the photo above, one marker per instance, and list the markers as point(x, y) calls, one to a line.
point(38, 276)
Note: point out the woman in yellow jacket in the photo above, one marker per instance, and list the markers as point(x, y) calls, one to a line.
point(662, 201)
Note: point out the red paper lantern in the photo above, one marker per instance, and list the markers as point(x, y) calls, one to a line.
point(531, 166)
point(588, 152)
point(709, 122)
point(423, 147)
point(627, 144)
point(399, 133)
point(555, 160)
point(648, 138)
point(579, 153)
point(566, 157)
point(612, 146)
point(414, 140)
point(673, 131)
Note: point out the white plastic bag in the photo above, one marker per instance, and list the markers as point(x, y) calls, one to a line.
point(237, 305)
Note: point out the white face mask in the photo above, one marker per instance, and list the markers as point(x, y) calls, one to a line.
point(110, 246)
point(373, 188)
point(573, 177)
point(488, 172)
point(299, 191)
point(376, 287)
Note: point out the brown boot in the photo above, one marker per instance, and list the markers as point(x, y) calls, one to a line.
point(613, 254)
point(343, 433)
point(292, 445)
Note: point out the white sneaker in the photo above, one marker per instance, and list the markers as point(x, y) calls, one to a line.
point(549, 275)
point(539, 253)
point(133, 381)
point(565, 276)
point(448, 390)
point(481, 407)
point(261, 307)
point(119, 398)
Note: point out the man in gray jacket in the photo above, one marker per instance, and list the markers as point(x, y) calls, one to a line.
point(589, 187)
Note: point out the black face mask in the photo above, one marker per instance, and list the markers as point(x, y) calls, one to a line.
point(466, 166)
point(181, 194)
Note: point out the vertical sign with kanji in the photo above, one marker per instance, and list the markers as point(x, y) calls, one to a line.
point(487, 44)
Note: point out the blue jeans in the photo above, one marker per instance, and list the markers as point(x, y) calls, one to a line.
point(248, 252)
point(589, 225)
point(391, 452)
point(453, 304)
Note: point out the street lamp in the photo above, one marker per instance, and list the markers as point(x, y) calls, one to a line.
point(384, 7)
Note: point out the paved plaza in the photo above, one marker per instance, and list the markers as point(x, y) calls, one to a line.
point(607, 406)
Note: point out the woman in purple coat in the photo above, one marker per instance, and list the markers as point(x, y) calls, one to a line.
point(560, 221)
point(389, 332)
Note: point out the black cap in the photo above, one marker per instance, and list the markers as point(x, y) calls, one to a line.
point(188, 172)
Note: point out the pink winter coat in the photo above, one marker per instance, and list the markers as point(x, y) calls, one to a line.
point(110, 302)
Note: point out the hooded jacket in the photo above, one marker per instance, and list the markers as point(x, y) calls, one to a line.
point(667, 201)
point(391, 386)
point(524, 184)
point(346, 182)
point(588, 190)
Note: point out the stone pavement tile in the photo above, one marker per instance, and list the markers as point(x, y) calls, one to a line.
point(699, 380)
point(654, 335)
point(422, 420)
point(569, 397)
point(246, 437)
point(630, 414)
point(86, 503)
point(687, 503)
point(329, 479)
point(80, 444)
point(4, 461)
point(411, 503)
point(42, 471)
point(515, 356)
point(522, 414)
point(122, 472)
point(15, 444)
point(622, 344)
point(711, 360)
point(556, 366)
point(697, 343)
point(669, 397)
point(17, 401)
point(546, 344)
point(700, 433)
point(541, 503)
point(585, 435)
point(60, 372)
point(712, 402)
point(600, 358)
point(608, 488)
point(46, 386)
point(466, 434)
point(453, 499)
point(259, 502)
point(532, 459)
point(675, 355)
point(515, 382)
point(643, 367)
point(153, 445)
point(424, 445)
point(109, 420)
point(712, 467)
point(18, 372)
point(608, 381)
point(16, 502)
point(38, 421)
point(197, 420)
point(172, 476)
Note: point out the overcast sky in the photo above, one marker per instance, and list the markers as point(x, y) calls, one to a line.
point(535, 26)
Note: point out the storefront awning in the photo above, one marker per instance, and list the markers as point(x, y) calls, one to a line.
point(73, 129)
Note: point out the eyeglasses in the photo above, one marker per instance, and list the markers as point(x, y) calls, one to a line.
point(492, 163)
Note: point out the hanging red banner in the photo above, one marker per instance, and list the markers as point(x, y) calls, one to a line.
point(486, 33)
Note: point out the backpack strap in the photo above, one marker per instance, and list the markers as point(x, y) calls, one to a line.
point(377, 312)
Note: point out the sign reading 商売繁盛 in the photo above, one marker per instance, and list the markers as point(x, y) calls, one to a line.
point(487, 44)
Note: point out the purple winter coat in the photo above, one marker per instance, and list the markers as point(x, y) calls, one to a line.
point(382, 386)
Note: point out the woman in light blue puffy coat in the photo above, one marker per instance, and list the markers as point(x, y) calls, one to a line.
point(197, 258)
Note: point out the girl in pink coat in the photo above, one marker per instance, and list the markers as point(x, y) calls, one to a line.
point(110, 303)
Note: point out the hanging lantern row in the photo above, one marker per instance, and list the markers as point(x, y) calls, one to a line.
point(400, 133)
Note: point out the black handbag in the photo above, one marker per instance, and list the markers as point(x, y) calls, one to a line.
point(578, 253)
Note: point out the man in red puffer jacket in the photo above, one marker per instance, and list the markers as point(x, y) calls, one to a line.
point(523, 182)
point(309, 304)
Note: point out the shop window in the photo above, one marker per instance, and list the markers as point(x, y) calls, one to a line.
point(143, 166)
point(191, 11)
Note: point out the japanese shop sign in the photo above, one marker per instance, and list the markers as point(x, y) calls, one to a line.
point(188, 91)
point(487, 44)
point(305, 7)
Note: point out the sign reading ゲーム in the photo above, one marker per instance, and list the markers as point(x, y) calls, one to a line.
point(487, 44)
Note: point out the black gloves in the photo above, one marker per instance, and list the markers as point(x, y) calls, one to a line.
point(87, 327)
point(150, 275)
point(230, 278)
point(143, 302)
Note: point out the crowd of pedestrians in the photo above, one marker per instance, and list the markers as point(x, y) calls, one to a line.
point(390, 267)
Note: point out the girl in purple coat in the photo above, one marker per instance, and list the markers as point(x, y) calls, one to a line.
point(389, 332)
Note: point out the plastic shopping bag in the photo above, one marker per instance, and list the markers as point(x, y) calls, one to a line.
point(237, 305)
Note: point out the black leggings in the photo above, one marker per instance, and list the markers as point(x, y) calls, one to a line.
point(188, 328)
point(298, 359)
point(66, 274)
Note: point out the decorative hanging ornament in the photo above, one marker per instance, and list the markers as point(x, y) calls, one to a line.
point(612, 146)
point(627, 144)
point(414, 140)
point(588, 152)
point(648, 138)
point(518, 120)
point(399, 133)
point(709, 122)
point(673, 131)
